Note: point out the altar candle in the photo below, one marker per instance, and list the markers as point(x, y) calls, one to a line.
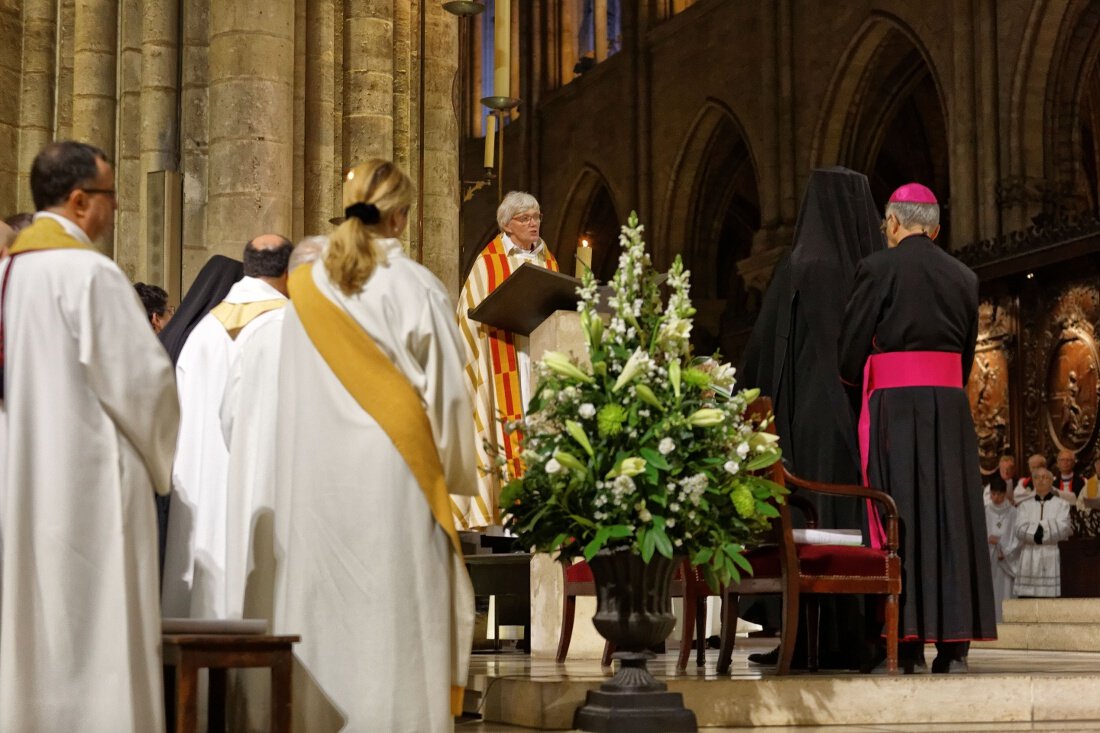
point(502, 49)
point(490, 140)
point(584, 257)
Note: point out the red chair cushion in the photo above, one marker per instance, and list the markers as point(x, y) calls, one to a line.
point(822, 560)
point(578, 573)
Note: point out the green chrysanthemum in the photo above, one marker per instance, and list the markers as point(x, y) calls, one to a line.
point(610, 419)
point(744, 502)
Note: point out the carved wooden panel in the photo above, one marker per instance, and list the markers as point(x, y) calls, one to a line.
point(1061, 375)
point(990, 383)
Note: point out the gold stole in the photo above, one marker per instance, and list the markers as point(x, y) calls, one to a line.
point(502, 355)
point(387, 396)
point(235, 316)
point(45, 234)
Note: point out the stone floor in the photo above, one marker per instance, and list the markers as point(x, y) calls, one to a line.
point(1006, 690)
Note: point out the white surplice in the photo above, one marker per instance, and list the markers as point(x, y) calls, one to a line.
point(1000, 522)
point(248, 423)
point(194, 558)
point(367, 576)
point(1040, 569)
point(90, 425)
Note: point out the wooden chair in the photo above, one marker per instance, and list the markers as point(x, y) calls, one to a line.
point(579, 582)
point(802, 572)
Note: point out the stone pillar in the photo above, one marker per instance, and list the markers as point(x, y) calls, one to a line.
point(95, 43)
point(298, 140)
point(36, 101)
point(194, 135)
point(10, 68)
point(63, 112)
point(368, 80)
point(95, 46)
point(321, 180)
point(962, 107)
point(251, 162)
point(160, 124)
point(130, 245)
point(440, 184)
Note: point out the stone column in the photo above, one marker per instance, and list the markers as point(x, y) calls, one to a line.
point(321, 181)
point(251, 163)
point(36, 101)
point(10, 67)
point(130, 244)
point(440, 183)
point(95, 43)
point(63, 112)
point(95, 46)
point(160, 124)
point(298, 139)
point(194, 137)
point(368, 80)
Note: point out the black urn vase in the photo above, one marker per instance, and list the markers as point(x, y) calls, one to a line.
point(633, 612)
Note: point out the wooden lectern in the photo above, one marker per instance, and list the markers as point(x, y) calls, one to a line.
point(542, 305)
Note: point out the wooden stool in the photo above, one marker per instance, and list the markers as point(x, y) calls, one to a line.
point(188, 653)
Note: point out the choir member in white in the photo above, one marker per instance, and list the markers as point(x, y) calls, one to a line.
point(87, 429)
point(369, 573)
point(1000, 521)
point(248, 422)
point(1042, 521)
point(195, 556)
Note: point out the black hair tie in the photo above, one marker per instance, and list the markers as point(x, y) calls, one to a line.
point(366, 213)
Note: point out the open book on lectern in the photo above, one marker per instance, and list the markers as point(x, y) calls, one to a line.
point(526, 298)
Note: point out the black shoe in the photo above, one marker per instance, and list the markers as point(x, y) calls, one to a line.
point(948, 665)
point(769, 659)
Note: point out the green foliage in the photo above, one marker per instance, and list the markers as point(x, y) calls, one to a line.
point(645, 446)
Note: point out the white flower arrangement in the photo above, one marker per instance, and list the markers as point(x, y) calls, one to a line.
point(645, 446)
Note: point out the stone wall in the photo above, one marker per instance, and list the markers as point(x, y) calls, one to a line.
point(259, 106)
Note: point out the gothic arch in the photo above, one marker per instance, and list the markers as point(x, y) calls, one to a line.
point(590, 213)
point(885, 113)
point(712, 213)
point(1060, 52)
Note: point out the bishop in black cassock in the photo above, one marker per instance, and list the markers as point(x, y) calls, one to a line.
point(909, 335)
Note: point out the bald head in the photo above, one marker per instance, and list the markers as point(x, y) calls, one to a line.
point(266, 258)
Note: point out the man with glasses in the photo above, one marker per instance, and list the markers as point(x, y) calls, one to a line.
point(910, 329)
point(498, 362)
point(87, 430)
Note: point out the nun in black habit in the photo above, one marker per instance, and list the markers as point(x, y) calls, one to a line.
point(792, 356)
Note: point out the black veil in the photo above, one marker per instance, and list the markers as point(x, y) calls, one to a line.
point(210, 287)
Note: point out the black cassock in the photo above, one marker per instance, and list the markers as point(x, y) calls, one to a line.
point(923, 449)
point(791, 357)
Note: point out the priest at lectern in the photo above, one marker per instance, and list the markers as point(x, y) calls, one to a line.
point(498, 361)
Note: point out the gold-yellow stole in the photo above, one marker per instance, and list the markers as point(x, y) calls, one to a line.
point(387, 396)
point(44, 234)
point(235, 316)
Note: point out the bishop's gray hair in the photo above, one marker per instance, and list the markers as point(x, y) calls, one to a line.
point(515, 203)
point(306, 251)
point(925, 217)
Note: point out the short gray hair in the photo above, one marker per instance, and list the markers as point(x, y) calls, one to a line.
point(306, 251)
point(915, 216)
point(515, 203)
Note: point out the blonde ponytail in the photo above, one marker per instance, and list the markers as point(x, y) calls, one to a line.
point(352, 252)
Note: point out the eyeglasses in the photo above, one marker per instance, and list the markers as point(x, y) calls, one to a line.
point(105, 191)
point(528, 218)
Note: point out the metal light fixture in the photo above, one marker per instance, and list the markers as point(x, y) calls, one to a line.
point(464, 7)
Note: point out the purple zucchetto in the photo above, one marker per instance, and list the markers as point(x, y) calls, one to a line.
point(913, 193)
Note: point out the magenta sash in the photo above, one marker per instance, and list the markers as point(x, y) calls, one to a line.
point(892, 370)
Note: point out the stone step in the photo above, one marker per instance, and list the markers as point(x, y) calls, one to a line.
point(1056, 610)
point(1049, 636)
point(1005, 698)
